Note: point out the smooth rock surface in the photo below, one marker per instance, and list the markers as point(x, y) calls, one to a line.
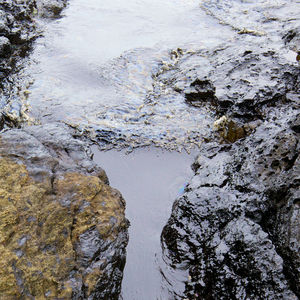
point(63, 230)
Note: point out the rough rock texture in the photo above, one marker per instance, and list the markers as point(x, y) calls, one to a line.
point(63, 231)
point(17, 31)
point(235, 232)
point(50, 8)
point(257, 18)
point(236, 228)
point(239, 84)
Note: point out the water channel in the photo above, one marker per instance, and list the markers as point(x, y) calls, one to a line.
point(150, 180)
point(93, 70)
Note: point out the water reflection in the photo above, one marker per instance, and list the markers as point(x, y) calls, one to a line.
point(149, 179)
point(95, 69)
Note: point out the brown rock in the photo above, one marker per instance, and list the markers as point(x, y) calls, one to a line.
point(56, 226)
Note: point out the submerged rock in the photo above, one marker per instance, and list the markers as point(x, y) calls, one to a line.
point(63, 231)
point(50, 8)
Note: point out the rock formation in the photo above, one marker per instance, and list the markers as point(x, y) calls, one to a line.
point(63, 231)
point(235, 232)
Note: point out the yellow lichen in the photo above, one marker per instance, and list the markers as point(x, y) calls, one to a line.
point(91, 280)
point(229, 130)
point(39, 229)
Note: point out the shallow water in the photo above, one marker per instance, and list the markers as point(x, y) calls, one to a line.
point(95, 67)
point(150, 180)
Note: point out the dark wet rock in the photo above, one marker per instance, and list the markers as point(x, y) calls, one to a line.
point(228, 231)
point(3, 28)
point(5, 46)
point(18, 31)
point(63, 229)
point(292, 39)
point(202, 90)
point(249, 73)
point(295, 124)
point(235, 232)
point(240, 85)
point(236, 228)
point(17, 24)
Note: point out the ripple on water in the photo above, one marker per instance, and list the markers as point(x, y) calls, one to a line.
point(96, 70)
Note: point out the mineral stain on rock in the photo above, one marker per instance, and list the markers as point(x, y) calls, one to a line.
point(58, 240)
point(230, 131)
point(234, 228)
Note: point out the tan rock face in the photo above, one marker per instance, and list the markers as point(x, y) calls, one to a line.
point(52, 233)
